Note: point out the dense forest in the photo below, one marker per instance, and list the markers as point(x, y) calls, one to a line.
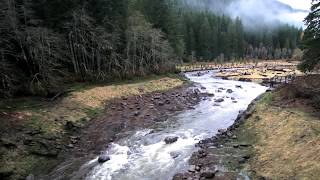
point(46, 43)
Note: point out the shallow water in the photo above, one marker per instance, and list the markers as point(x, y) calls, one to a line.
point(145, 156)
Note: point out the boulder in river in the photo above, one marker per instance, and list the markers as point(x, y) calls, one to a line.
point(239, 86)
point(219, 100)
point(103, 159)
point(229, 91)
point(170, 140)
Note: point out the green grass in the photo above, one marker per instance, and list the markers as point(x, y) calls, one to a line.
point(266, 99)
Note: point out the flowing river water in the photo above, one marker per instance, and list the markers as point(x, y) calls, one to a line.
point(145, 156)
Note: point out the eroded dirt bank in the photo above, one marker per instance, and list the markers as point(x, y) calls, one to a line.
point(276, 138)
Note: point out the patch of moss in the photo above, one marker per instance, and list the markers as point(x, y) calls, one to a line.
point(266, 99)
point(92, 113)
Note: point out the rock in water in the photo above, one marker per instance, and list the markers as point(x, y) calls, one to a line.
point(170, 140)
point(103, 159)
point(229, 91)
point(174, 155)
point(239, 86)
point(219, 100)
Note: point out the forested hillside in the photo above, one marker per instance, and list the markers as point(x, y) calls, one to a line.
point(46, 43)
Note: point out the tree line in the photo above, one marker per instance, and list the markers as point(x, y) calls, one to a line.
point(47, 43)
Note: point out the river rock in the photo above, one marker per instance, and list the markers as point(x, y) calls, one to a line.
point(174, 155)
point(222, 131)
point(208, 174)
point(229, 91)
point(103, 159)
point(192, 168)
point(70, 125)
point(157, 97)
point(137, 113)
point(196, 91)
point(219, 100)
point(8, 143)
point(239, 86)
point(198, 168)
point(245, 80)
point(242, 160)
point(170, 140)
point(124, 104)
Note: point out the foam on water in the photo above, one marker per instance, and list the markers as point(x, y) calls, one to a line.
point(145, 156)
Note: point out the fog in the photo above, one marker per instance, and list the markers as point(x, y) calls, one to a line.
point(268, 12)
point(255, 13)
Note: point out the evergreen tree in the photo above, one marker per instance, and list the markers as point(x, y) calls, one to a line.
point(311, 41)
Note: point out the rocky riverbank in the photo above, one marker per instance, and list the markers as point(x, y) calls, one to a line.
point(277, 137)
point(121, 118)
point(37, 135)
point(221, 156)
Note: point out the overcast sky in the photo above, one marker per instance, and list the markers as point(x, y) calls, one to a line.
point(298, 4)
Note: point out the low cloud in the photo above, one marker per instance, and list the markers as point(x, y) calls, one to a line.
point(254, 13)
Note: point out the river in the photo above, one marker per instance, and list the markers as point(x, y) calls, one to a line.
point(145, 156)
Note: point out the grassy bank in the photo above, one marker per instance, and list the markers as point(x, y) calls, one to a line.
point(285, 133)
point(34, 131)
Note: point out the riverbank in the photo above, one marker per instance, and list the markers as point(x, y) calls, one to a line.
point(36, 135)
point(276, 138)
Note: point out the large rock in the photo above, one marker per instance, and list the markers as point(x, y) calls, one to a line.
point(229, 91)
point(103, 159)
point(239, 86)
point(219, 100)
point(170, 140)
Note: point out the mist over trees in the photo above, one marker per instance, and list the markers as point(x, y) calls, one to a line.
point(47, 43)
